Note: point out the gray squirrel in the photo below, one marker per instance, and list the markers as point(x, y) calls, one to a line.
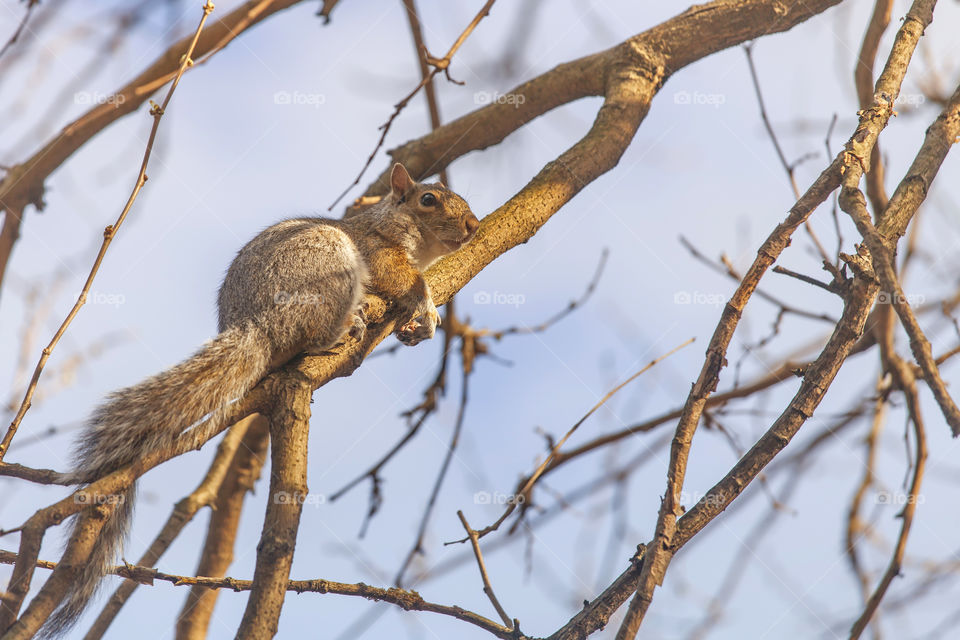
point(297, 287)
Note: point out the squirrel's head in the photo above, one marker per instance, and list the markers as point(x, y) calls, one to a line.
point(443, 218)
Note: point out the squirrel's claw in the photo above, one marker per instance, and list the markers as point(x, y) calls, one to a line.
point(419, 329)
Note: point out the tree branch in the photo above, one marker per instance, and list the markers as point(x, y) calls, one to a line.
point(289, 428)
point(186, 60)
point(24, 183)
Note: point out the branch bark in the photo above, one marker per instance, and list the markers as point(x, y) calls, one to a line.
point(849, 167)
point(289, 427)
point(217, 554)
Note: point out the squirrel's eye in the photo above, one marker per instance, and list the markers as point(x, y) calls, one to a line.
point(428, 199)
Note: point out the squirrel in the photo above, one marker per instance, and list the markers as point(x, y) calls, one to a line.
point(297, 287)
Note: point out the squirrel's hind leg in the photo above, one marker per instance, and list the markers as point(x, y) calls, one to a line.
point(355, 327)
point(358, 322)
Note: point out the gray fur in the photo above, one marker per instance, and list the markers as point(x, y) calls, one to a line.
point(296, 287)
point(281, 270)
point(148, 417)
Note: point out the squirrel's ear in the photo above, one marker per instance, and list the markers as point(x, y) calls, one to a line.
point(400, 181)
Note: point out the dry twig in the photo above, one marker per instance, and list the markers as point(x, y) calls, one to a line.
point(109, 233)
point(31, 5)
point(555, 449)
point(848, 168)
point(438, 65)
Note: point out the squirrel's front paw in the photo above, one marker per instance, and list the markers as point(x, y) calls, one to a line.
point(419, 329)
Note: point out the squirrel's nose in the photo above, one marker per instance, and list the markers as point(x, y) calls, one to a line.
point(472, 225)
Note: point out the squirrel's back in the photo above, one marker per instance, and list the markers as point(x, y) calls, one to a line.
point(307, 265)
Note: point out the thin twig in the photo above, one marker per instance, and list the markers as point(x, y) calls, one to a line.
point(554, 451)
point(31, 5)
point(572, 306)
point(109, 232)
point(834, 209)
point(429, 89)
point(727, 270)
point(805, 278)
point(789, 168)
point(438, 64)
point(406, 600)
point(863, 83)
point(487, 587)
point(855, 525)
point(438, 483)
point(908, 383)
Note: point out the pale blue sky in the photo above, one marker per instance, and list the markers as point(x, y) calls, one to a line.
point(230, 161)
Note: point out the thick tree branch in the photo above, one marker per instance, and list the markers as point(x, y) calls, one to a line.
point(217, 554)
point(912, 190)
point(289, 427)
point(863, 80)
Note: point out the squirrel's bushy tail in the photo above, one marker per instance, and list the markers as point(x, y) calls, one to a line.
point(150, 417)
